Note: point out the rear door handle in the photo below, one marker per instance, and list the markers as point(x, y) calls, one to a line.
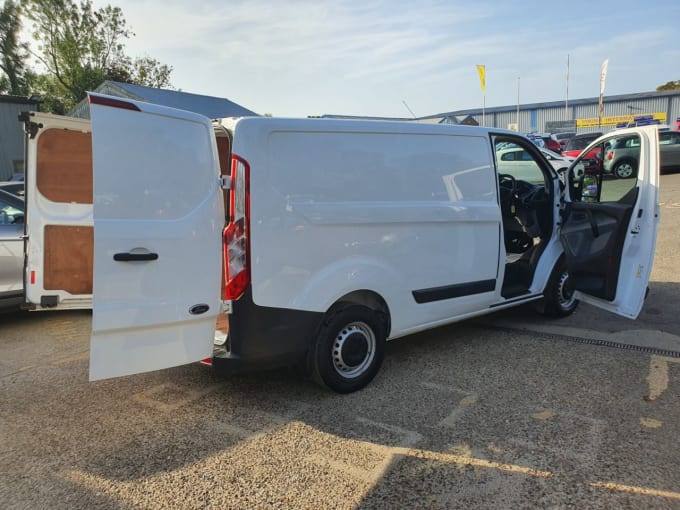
point(131, 257)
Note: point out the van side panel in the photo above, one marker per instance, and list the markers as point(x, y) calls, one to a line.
point(341, 207)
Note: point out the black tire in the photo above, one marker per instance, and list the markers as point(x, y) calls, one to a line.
point(625, 169)
point(558, 296)
point(349, 349)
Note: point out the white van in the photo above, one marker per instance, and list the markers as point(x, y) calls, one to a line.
point(337, 236)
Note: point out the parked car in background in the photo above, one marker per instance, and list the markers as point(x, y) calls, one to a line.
point(13, 187)
point(579, 142)
point(515, 160)
point(563, 138)
point(12, 210)
point(593, 160)
point(545, 141)
point(669, 150)
point(621, 156)
point(557, 160)
point(551, 143)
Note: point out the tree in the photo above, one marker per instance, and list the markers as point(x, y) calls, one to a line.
point(80, 47)
point(671, 85)
point(15, 76)
point(145, 71)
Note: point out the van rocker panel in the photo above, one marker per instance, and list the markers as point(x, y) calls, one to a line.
point(264, 336)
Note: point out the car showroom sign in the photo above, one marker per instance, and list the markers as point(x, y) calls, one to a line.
point(614, 120)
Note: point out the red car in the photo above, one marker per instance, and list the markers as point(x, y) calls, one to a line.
point(576, 145)
point(593, 159)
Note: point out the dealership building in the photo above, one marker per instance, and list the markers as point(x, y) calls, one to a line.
point(580, 115)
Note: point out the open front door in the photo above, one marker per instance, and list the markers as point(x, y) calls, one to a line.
point(611, 217)
point(158, 221)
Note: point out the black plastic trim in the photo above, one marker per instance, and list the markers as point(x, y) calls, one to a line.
point(49, 301)
point(453, 291)
point(262, 336)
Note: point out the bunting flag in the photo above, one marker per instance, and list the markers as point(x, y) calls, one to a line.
point(603, 77)
point(481, 70)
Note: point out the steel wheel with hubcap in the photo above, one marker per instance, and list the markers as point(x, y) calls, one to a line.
point(624, 169)
point(349, 349)
point(558, 297)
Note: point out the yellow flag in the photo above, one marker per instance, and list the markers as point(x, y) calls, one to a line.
point(482, 77)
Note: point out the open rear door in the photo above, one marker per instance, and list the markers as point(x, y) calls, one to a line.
point(58, 272)
point(611, 220)
point(158, 221)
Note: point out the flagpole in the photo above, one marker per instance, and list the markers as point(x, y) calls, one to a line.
point(566, 98)
point(518, 104)
point(484, 110)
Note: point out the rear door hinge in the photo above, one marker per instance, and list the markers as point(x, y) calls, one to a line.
point(31, 128)
point(225, 182)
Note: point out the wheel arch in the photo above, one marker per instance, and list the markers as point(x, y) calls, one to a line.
point(369, 299)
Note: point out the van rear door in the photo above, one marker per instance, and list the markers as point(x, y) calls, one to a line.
point(158, 222)
point(610, 226)
point(58, 219)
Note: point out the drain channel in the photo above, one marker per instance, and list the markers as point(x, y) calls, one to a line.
point(592, 341)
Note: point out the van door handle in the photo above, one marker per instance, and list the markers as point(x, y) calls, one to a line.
point(131, 257)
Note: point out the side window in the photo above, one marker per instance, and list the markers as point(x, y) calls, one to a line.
point(514, 160)
point(606, 172)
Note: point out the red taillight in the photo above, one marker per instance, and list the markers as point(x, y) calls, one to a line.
point(236, 244)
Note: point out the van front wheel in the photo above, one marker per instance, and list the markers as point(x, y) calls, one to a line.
point(349, 349)
point(559, 300)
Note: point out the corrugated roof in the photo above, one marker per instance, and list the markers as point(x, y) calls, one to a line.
point(210, 106)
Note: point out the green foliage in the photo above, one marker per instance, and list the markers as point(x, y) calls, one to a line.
point(15, 77)
point(145, 71)
point(76, 46)
point(671, 85)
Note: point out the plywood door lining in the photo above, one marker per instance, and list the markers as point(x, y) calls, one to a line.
point(64, 166)
point(68, 258)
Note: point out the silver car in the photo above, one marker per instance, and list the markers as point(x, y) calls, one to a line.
point(669, 150)
point(11, 249)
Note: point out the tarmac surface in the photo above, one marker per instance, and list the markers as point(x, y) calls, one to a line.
point(507, 411)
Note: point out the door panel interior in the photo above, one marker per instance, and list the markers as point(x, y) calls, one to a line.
point(64, 166)
point(593, 235)
point(60, 255)
point(69, 252)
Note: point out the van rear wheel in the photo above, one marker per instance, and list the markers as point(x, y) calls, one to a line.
point(349, 348)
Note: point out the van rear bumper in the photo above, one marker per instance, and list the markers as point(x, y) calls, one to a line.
point(265, 337)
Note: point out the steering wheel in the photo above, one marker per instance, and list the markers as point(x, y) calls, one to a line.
point(507, 178)
point(507, 186)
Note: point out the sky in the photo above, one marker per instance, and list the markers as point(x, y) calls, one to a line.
point(296, 58)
